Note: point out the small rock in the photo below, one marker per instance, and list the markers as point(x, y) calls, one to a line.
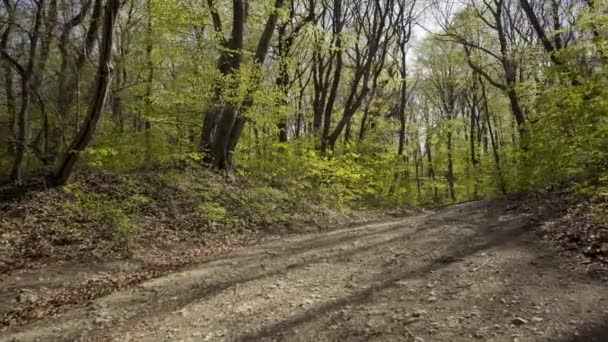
point(452, 323)
point(474, 314)
point(101, 320)
point(519, 321)
point(306, 302)
point(26, 297)
point(432, 299)
point(412, 320)
point(537, 319)
point(419, 313)
point(418, 339)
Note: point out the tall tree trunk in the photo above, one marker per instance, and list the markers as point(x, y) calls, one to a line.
point(347, 132)
point(494, 144)
point(402, 107)
point(45, 49)
point(418, 157)
point(363, 126)
point(11, 107)
point(239, 123)
point(9, 83)
point(333, 93)
point(68, 83)
point(28, 78)
point(431, 168)
point(510, 71)
point(69, 76)
point(226, 117)
point(473, 125)
point(450, 176)
point(101, 87)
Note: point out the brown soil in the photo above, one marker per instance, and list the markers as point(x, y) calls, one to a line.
point(476, 271)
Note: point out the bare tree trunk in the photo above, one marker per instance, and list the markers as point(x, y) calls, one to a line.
point(418, 157)
point(402, 107)
point(11, 107)
point(431, 168)
point(363, 126)
point(45, 49)
point(473, 126)
point(9, 86)
point(494, 144)
point(70, 74)
point(338, 26)
point(451, 177)
point(347, 132)
point(101, 87)
point(68, 84)
point(28, 79)
point(218, 124)
point(231, 125)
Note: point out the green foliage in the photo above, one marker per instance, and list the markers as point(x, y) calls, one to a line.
point(113, 214)
point(167, 78)
point(212, 212)
point(570, 134)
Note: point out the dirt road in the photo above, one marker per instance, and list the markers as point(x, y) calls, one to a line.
point(468, 272)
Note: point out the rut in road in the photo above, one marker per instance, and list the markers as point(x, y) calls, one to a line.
point(474, 271)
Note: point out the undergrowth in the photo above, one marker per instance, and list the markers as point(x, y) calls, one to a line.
point(103, 214)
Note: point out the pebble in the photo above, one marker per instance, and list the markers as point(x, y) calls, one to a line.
point(474, 314)
point(412, 320)
point(537, 319)
point(419, 313)
point(479, 335)
point(519, 321)
point(26, 297)
point(432, 299)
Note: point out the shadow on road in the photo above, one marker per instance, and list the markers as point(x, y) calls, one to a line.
point(595, 333)
point(487, 236)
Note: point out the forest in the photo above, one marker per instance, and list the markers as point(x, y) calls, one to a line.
point(303, 170)
point(392, 102)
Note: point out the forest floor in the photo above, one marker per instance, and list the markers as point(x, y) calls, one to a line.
point(470, 271)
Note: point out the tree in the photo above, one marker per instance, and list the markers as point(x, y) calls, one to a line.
point(101, 88)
